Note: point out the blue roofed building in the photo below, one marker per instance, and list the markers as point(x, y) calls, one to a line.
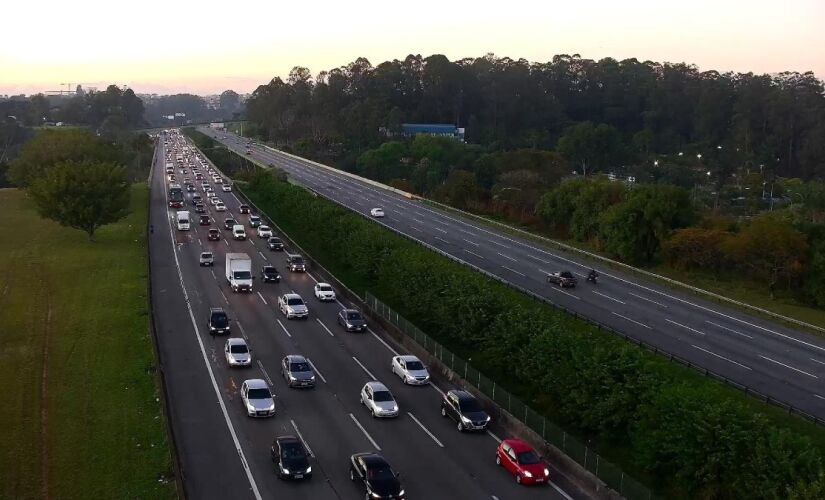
point(436, 129)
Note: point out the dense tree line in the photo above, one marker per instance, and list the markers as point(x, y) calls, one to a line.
point(634, 110)
point(695, 437)
point(194, 108)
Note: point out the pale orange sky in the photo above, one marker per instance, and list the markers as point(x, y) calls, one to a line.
point(161, 46)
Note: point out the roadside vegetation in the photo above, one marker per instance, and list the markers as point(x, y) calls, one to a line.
point(685, 435)
point(81, 416)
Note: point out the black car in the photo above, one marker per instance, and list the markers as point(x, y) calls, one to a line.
point(564, 279)
point(214, 235)
point(196, 199)
point(295, 263)
point(190, 188)
point(244, 209)
point(275, 243)
point(228, 223)
point(218, 321)
point(269, 273)
point(203, 220)
point(200, 208)
point(463, 407)
point(375, 473)
point(351, 320)
point(290, 458)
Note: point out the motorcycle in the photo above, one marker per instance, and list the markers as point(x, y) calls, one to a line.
point(593, 278)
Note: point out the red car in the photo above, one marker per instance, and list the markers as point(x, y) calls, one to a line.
point(522, 461)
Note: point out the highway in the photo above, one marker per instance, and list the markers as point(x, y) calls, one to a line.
point(771, 358)
point(223, 452)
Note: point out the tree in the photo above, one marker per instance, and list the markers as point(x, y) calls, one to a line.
point(696, 248)
point(459, 189)
point(591, 147)
point(83, 195)
point(229, 100)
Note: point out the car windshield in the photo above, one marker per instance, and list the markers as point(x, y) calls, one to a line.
point(414, 365)
point(528, 457)
point(213, 231)
point(219, 320)
point(269, 270)
point(382, 396)
point(292, 450)
point(238, 349)
point(381, 473)
point(264, 228)
point(259, 394)
point(566, 274)
point(294, 301)
point(230, 222)
point(353, 315)
point(299, 367)
point(274, 240)
point(325, 288)
point(469, 405)
point(243, 275)
point(206, 255)
point(297, 260)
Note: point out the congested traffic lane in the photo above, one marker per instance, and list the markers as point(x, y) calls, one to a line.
point(434, 459)
point(778, 361)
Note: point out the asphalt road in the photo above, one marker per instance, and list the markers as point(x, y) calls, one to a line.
point(768, 357)
point(225, 453)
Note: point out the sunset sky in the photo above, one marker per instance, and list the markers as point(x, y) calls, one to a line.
point(169, 47)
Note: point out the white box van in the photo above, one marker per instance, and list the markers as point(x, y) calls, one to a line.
point(183, 220)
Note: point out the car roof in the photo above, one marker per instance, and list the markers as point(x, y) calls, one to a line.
point(518, 445)
point(409, 357)
point(288, 440)
point(215, 309)
point(377, 386)
point(461, 394)
point(204, 254)
point(292, 296)
point(295, 358)
point(373, 459)
point(350, 310)
point(256, 383)
point(235, 341)
point(321, 283)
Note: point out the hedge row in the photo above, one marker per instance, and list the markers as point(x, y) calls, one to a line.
point(693, 436)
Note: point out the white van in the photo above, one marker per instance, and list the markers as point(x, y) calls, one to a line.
point(183, 220)
point(238, 232)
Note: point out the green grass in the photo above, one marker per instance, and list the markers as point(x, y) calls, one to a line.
point(81, 416)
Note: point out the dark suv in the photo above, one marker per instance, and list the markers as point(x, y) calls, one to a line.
point(275, 243)
point(463, 407)
point(290, 458)
point(295, 262)
point(218, 321)
point(269, 273)
point(351, 320)
point(228, 223)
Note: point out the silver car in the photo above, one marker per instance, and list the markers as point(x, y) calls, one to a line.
point(378, 400)
point(257, 399)
point(207, 259)
point(237, 352)
point(297, 371)
point(292, 306)
point(410, 370)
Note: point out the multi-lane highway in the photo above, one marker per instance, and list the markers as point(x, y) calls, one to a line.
point(226, 454)
point(768, 357)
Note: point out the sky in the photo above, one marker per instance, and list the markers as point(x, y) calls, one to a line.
point(156, 46)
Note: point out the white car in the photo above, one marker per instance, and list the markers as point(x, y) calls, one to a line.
point(292, 306)
point(237, 352)
point(324, 292)
point(410, 370)
point(257, 398)
point(220, 207)
point(378, 400)
point(214, 200)
point(264, 232)
point(377, 212)
point(226, 188)
point(218, 180)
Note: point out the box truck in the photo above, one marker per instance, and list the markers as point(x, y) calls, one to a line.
point(183, 220)
point(239, 272)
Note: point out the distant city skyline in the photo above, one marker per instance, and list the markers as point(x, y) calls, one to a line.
point(172, 48)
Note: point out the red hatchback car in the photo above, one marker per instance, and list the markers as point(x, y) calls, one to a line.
point(520, 460)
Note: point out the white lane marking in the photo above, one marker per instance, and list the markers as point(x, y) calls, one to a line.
point(225, 241)
point(425, 430)
point(721, 357)
point(317, 372)
point(513, 270)
point(364, 368)
point(226, 418)
point(262, 254)
point(432, 384)
point(311, 276)
point(631, 320)
point(262, 298)
point(364, 431)
point(498, 439)
point(224, 296)
point(473, 253)
point(301, 437)
point(538, 259)
point(788, 366)
point(325, 327)
point(560, 290)
point(251, 241)
point(243, 332)
point(497, 243)
point(471, 242)
point(608, 297)
point(382, 341)
point(266, 375)
point(728, 329)
point(647, 299)
point(213, 273)
point(441, 239)
point(561, 491)
point(200, 242)
point(284, 328)
point(694, 330)
point(418, 220)
point(506, 257)
point(818, 396)
point(439, 229)
point(818, 361)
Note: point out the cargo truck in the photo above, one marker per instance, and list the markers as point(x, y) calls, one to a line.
point(239, 272)
point(183, 220)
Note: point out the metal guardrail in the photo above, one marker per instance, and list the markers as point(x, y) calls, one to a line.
point(585, 456)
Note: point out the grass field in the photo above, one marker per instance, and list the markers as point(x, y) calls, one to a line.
point(81, 415)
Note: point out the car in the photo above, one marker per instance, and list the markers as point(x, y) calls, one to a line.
point(292, 305)
point(295, 263)
point(238, 232)
point(196, 198)
point(229, 223)
point(200, 208)
point(213, 235)
point(269, 273)
point(207, 259)
point(410, 370)
point(220, 207)
point(190, 188)
point(218, 180)
point(463, 407)
point(244, 209)
point(297, 371)
point(198, 177)
point(564, 279)
point(254, 220)
point(520, 460)
point(376, 474)
point(237, 352)
point(290, 458)
point(226, 188)
point(208, 190)
point(218, 322)
point(187, 180)
point(204, 220)
point(257, 398)
point(264, 232)
point(377, 212)
point(351, 320)
point(378, 400)
point(249, 151)
point(324, 292)
point(275, 243)
point(214, 200)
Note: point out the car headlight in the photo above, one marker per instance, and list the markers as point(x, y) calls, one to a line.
point(291, 377)
point(527, 473)
point(465, 420)
point(286, 471)
point(312, 378)
point(401, 493)
point(309, 469)
point(250, 407)
point(375, 495)
point(546, 471)
point(271, 407)
point(488, 418)
point(395, 408)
